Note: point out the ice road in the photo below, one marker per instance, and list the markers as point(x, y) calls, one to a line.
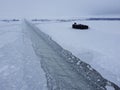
point(63, 70)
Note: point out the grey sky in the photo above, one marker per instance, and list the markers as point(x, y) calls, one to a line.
point(57, 8)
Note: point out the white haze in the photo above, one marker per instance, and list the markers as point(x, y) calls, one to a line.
point(57, 8)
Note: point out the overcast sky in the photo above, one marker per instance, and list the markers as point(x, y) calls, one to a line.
point(57, 8)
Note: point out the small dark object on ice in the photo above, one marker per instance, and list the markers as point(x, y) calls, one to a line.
point(79, 26)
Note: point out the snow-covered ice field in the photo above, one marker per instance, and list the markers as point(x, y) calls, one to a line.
point(98, 46)
point(20, 69)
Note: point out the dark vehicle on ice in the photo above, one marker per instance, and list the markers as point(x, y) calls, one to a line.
point(79, 26)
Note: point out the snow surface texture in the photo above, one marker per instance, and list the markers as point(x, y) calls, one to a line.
point(20, 68)
point(62, 75)
point(99, 46)
point(54, 58)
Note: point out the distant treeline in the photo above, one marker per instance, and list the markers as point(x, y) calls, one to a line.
point(62, 20)
point(103, 19)
point(9, 20)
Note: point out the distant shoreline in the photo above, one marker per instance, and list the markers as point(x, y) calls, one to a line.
point(103, 19)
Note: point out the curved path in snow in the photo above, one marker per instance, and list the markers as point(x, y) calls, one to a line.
point(63, 70)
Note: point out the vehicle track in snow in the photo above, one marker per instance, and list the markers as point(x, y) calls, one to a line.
point(63, 70)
